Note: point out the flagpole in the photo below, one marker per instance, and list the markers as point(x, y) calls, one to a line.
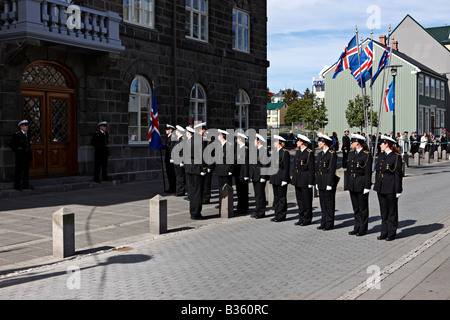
point(371, 89)
point(360, 78)
point(160, 153)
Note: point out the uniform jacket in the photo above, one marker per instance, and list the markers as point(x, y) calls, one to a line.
point(359, 171)
point(100, 142)
point(326, 169)
point(346, 143)
point(241, 166)
point(388, 176)
point(223, 169)
point(21, 145)
point(304, 168)
point(255, 168)
point(168, 146)
point(191, 167)
point(282, 174)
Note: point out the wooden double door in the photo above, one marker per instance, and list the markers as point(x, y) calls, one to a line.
point(52, 125)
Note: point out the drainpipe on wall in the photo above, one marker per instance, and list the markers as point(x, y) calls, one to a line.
point(175, 77)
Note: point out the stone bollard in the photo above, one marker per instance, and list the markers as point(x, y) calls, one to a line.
point(406, 159)
point(444, 155)
point(269, 195)
point(427, 157)
point(226, 201)
point(158, 215)
point(417, 157)
point(342, 174)
point(436, 156)
point(63, 233)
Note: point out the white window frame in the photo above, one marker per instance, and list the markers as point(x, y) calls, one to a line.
point(145, 10)
point(438, 90)
point(195, 14)
point(442, 90)
point(427, 86)
point(197, 100)
point(421, 84)
point(242, 104)
point(421, 117)
point(432, 88)
point(241, 43)
point(140, 98)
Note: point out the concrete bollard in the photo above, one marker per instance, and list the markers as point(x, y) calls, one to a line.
point(158, 215)
point(406, 159)
point(417, 157)
point(444, 155)
point(63, 230)
point(342, 174)
point(436, 156)
point(427, 157)
point(226, 201)
point(269, 195)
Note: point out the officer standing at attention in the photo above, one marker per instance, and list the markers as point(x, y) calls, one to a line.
point(170, 169)
point(280, 179)
point(21, 145)
point(206, 197)
point(388, 185)
point(259, 179)
point(303, 180)
point(224, 170)
point(345, 148)
point(326, 181)
point(180, 175)
point(359, 182)
point(241, 173)
point(100, 142)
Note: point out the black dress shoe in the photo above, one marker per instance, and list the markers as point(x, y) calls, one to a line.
point(360, 234)
point(390, 238)
point(381, 238)
point(259, 217)
point(299, 223)
point(352, 233)
point(327, 229)
point(320, 228)
point(197, 217)
point(303, 224)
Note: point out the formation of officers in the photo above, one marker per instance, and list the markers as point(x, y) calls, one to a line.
point(309, 171)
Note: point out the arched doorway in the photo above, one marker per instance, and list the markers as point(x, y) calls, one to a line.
point(48, 103)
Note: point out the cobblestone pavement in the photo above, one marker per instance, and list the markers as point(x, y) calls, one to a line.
point(246, 259)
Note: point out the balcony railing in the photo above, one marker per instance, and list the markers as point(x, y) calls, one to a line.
point(50, 20)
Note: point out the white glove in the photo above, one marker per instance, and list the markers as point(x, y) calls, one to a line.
point(230, 173)
point(171, 161)
point(182, 164)
point(202, 173)
point(246, 178)
point(398, 195)
point(283, 183)
point(366, 191)
point(209, 170)
point(262, 180)
point(317, 187)
point(329, 188)
point(310, 186)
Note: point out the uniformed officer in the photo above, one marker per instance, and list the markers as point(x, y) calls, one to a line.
point(206, 196)
point(388, 185)
point(303, 177)
point(241, 173)
point(169, 163)
point(21, 145)
point(100, 141)
point(346, 146)
point(258, 178)
point(326, 181)
point(358, 182)
point(224, 170)
point(196, 171)
point(180, 174)
point(280, 179)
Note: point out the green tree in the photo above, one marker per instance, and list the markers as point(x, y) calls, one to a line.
point(290, 96)
point(355, 113)
point(310, 111)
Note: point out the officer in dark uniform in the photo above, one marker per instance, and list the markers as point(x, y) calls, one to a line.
point(206, 197)
point(326, 181)
point(180, 175)
point(345, 148)
point(241, 173)
point(170, 169)
point(195, 173)
point(303, 180)
point(100, 142)
point(258, 178)
point(358, 182)
point(388, 185)
point(21, 145)
point(224, 170)
point(280, 179)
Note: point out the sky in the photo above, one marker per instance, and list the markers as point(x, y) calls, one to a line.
point(304, 36)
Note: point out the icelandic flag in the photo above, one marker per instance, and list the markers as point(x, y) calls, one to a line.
point(366, 65)
point(154, 137)
point(348, 58)
point(384, 61)
point(389, 99)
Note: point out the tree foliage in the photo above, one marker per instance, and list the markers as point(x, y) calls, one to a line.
point(355, 113)
point(290, 96)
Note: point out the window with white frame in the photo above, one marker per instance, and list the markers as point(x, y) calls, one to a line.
point(438, 89)
point(241, 30)
point(197, 19)
point(442, 90)
point(197, 105)
point(427, 86)
point(420, 124)
point(141, 12)
point(421, 84)
point(139, 107)
point(241, 115)
point(442, 119)
point(433, 89)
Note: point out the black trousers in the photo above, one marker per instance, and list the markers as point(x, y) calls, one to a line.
point(101, 163)
point(304, 196)
point(21, 173)
point(206, 196)
point(180, 180)
point(171, 177)
point(242, 194)
point(260, 198)
point(195, 187)
point(280, 201)
point(327, 205)
point(360, 204)
point(344, 159)
point(389, 214)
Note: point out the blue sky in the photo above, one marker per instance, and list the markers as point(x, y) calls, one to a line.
point(305, 35)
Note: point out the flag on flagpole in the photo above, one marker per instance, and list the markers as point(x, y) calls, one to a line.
point(384, 61)
point(366, 65)
point(348, 58)
point(154, 137)
point(389, 99)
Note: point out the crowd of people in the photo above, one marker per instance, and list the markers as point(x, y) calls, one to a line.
point(310, 170)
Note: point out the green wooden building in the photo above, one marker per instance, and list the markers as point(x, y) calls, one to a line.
point(421, 95)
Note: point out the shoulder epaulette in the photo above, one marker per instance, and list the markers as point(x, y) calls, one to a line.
point(332, 151)
point(309, 150)
point(366, 152)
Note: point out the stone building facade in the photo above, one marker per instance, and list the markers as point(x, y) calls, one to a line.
point(66, 67)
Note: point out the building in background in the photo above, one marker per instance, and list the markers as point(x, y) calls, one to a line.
point(205, 60)
point(275, 114)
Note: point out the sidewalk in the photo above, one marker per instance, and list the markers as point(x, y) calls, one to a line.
point(112, 224)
